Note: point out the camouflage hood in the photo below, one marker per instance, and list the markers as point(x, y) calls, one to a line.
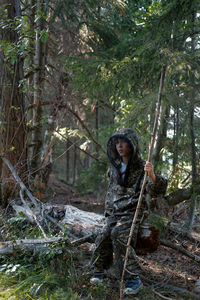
point(130, 136)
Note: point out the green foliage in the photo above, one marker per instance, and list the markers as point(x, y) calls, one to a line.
point(93, 179)
point(19, 228)
point(124, 65)
point(36, 279)
point(158, 221)
point(59, 272)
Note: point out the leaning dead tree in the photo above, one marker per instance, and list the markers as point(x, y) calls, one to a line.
point(39, 206)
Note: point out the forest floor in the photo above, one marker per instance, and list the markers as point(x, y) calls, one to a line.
point(165, 265)
point(167, 273)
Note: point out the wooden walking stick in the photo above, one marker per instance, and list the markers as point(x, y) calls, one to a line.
point(145, 179)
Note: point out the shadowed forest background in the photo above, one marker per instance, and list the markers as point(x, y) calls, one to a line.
point(72, 72)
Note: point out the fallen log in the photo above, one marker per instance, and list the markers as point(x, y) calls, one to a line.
point(181, 195)
point(82, 222)
point(86, 226)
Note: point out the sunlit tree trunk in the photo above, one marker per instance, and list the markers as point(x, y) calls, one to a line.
point(13, 129)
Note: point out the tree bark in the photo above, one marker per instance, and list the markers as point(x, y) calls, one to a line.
point(67, 161)
point(192, 209)
point(38, 81)
point(74, 164)
point(161, 137)
point(175, 180)
point(13, 131)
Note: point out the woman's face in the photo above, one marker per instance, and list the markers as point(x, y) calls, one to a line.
point(123, 148)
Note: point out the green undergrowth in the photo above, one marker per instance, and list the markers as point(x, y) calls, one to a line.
point(59, 272)
point(60, 276)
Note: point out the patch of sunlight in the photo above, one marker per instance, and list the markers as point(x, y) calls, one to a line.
point(7, 294)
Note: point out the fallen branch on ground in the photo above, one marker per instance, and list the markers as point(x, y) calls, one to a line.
point(90, 238)
point(180, 291)
point(180, 249)
point(160, 295)
point(175, 228)
point(158, 285)
point(34, 200)
point(11, 247)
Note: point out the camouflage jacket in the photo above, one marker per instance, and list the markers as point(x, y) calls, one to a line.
point(122, 196)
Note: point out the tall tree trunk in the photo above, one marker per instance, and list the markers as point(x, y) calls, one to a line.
point(192, 209)
point(13, 131)
point(31, 13)
point(74, 165)
point(38, 81)
point(97, 123)
point(67, 161)
point(175, 180)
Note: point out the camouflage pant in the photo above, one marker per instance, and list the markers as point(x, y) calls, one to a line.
point(111, 245)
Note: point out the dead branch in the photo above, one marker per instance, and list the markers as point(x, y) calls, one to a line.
point(152, 284)
point(181, 249)
point(75, 145)
point(34, 200)
point(31, 213)
point(178, 196)
point(180, 290)
point(175, 228)
point(90, 238)
point(160, 295)
point(36, 245)
point(181, 195)
point(37, 203)
point(24, 189)
point(86, 129)
point(84, 151)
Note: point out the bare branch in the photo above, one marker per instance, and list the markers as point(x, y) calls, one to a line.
point(86, 129)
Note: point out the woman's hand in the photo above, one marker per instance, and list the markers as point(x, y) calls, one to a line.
point(150, 172)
